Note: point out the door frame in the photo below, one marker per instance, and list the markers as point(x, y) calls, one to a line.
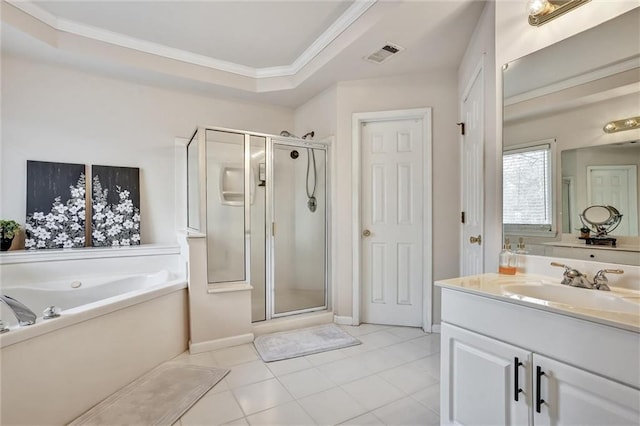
point(476, 75)
point(357, 120)
point(270, 223)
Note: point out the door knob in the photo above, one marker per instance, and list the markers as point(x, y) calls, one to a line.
point(366, 233)
point(477, 239)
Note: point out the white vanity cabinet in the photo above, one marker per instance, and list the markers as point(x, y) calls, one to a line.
point(569, 371)
point(479, 374)
point(490, 382)
point(573, 396)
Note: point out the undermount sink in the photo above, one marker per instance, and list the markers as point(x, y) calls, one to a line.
point(543, 293)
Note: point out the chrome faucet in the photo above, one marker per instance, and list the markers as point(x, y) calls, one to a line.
point(24, 315)
point(573, 277)
point(600, 280)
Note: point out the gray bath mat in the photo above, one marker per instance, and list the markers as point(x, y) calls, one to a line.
point(160, 397)
point(305, 341)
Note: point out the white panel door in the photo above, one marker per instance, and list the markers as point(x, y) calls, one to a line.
point(615, 186)
point(472, 178)
point(392, 222)
point(576, 397)
point(479, 375)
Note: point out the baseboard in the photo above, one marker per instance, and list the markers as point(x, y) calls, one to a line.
point(341, 320)
point(225, 342)
point(435, 328)
point(292, 322)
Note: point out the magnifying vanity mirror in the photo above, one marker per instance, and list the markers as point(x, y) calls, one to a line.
point(570, 189)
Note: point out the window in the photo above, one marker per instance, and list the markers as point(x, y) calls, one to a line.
point(527, 172)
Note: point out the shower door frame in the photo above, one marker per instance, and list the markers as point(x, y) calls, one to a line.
point(270, 223)
point(200, 133)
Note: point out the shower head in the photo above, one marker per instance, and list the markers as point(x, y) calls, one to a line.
point(287, 134)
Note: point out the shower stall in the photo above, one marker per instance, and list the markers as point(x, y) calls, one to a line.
point(261, 200)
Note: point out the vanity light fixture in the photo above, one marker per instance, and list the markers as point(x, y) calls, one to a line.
point(622, 125)
point(543, 11)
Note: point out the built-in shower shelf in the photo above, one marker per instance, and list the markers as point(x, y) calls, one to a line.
point(233, 197)
point(232, 185)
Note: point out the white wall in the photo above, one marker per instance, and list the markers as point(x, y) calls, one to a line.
point(481, 49)
point(52, 113)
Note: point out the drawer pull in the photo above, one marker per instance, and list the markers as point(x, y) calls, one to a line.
point(516, 386)
point(539, 400)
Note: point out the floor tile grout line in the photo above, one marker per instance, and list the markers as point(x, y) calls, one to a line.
point(296, 400)
point(405, 394)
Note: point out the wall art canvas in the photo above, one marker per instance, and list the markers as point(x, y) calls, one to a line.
point(116, 206)
point(56, 205)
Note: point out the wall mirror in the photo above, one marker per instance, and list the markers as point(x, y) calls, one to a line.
point(557, 159)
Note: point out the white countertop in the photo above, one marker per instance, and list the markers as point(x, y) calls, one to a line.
point(496, 286)
point(584, 245)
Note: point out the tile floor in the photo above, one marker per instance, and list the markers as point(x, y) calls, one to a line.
point(392, 378)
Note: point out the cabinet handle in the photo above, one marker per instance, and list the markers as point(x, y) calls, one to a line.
point(516, 386)
point(539, 400)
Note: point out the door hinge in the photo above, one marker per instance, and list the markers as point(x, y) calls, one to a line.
point(461, 217)
point(461, 128)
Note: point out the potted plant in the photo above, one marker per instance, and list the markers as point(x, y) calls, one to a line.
point(8, 230)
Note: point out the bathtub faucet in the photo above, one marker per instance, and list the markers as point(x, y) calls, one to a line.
point(24, 315)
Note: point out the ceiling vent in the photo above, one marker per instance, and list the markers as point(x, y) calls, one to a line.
point(381, 55)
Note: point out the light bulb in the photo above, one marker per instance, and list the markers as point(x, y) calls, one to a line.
point(631, 122)
point(609, 127)
point(539, 7)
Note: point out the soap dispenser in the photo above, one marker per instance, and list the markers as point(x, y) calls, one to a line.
point(507, 259)
point(520, 253)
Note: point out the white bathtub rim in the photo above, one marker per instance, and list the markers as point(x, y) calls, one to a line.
point(91, 281)
point(89, 311)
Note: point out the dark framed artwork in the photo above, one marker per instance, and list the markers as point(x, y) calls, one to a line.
point(56, 205)
point(116, 206)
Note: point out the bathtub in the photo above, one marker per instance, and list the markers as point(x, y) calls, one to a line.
point(81, 300)
point(112, 330)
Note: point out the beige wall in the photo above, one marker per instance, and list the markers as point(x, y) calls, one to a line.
point(436, 90)
point(318, 114)
point(52, 113)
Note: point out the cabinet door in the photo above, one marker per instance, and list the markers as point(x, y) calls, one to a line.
point(478, 377)
point(576, 397)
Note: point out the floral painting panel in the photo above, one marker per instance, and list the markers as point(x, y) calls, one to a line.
point(56, 205)
point(116, 206)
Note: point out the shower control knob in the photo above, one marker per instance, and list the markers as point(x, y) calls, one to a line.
point(366, 233)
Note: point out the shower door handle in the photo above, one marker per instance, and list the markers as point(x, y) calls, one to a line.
point(366, 233)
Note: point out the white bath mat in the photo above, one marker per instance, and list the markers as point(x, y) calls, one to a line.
point(160, 397)
point(305, 341)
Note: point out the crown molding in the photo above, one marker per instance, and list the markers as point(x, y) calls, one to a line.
point(345, 20)
point(587, 77)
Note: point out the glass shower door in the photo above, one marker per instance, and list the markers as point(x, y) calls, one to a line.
point(299, 228)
